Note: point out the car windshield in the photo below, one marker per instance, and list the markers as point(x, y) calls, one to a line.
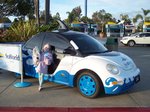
point(134, 34)
point(87, 44)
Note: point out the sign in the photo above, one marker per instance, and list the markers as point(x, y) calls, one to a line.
point(11, 60)
point(11, 57)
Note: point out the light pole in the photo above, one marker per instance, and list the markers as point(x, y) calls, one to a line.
point(85, 8)
point(47, 11)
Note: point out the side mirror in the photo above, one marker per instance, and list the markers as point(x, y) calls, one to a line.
point(69, 51)
point(129, 34)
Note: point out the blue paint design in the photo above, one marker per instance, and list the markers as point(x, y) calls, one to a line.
point(116, 89)
point(109, 80)
point(61, 77)
point(87, 85)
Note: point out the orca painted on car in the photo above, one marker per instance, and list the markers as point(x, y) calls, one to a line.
point(83, 62)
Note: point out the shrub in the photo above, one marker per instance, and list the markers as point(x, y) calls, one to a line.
point(20, 31)
point(52, 26)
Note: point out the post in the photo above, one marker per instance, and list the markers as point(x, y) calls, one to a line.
point(21, 66)
point(21, 84)
point(36, 2)
point(47, 11)
point(85, 8)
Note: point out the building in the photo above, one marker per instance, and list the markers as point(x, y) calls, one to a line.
point(146, 27)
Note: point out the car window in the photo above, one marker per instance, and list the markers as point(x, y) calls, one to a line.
point(134, 34)
point(147, 34)
point(87, 44)
point(36, 40)
point(142, 35)
point(56, 40)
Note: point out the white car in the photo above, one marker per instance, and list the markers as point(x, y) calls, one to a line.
point(137, 38)
point(82, 61)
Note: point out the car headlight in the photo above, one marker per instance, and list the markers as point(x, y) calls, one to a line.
point(112, 69)
point(124, 38)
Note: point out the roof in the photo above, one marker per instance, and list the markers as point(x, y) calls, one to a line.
point(146, 23)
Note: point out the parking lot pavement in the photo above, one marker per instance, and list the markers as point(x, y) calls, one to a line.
point(55, 95)
point(141, 56)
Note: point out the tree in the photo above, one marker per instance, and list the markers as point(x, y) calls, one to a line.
point(134, 20)
point(74, 15)
point(85, 19)
point(77, 12)
point(145, 13)
point(144, 16)
point(101, 18)
point(5, 20)
point(147, 19)
point(126, 19)
point(140, 26)
point(139, 16)
point(57, 16)
point(70, 17)
point(16, 7)
point(42, 17)
point(24, 7)
point(7, 7)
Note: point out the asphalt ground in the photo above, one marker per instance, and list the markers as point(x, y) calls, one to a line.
point(55, 95)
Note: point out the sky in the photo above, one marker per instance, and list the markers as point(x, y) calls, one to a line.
point(115, 7)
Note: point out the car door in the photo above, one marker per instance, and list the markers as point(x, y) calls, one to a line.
point(28, 66)
point(62, 70)
point(140, 39)
point(147, 38)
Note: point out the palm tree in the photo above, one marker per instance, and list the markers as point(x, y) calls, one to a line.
point(70, 17)
point(77, 12)
point(134, 20)
point(139, 16)
point(126, 18)
point(145, 13)
point(74, 15)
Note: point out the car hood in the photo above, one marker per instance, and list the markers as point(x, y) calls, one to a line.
point(129, 37)
point(116, 58)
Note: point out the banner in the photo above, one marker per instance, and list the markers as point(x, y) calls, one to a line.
point(11, 57)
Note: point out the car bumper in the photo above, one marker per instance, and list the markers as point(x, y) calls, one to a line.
point(121, 84)
point(124, 41)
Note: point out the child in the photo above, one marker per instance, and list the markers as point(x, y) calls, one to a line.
point(45, 59)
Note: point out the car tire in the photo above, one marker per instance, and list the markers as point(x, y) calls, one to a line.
point(89, 85)
point(131, 43)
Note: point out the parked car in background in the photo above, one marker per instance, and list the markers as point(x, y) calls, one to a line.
point(137, 38)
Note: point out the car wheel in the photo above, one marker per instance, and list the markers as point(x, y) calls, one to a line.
point(89, 84)
point(131, 43)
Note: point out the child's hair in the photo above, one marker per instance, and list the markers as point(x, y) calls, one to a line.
point(47, 46)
